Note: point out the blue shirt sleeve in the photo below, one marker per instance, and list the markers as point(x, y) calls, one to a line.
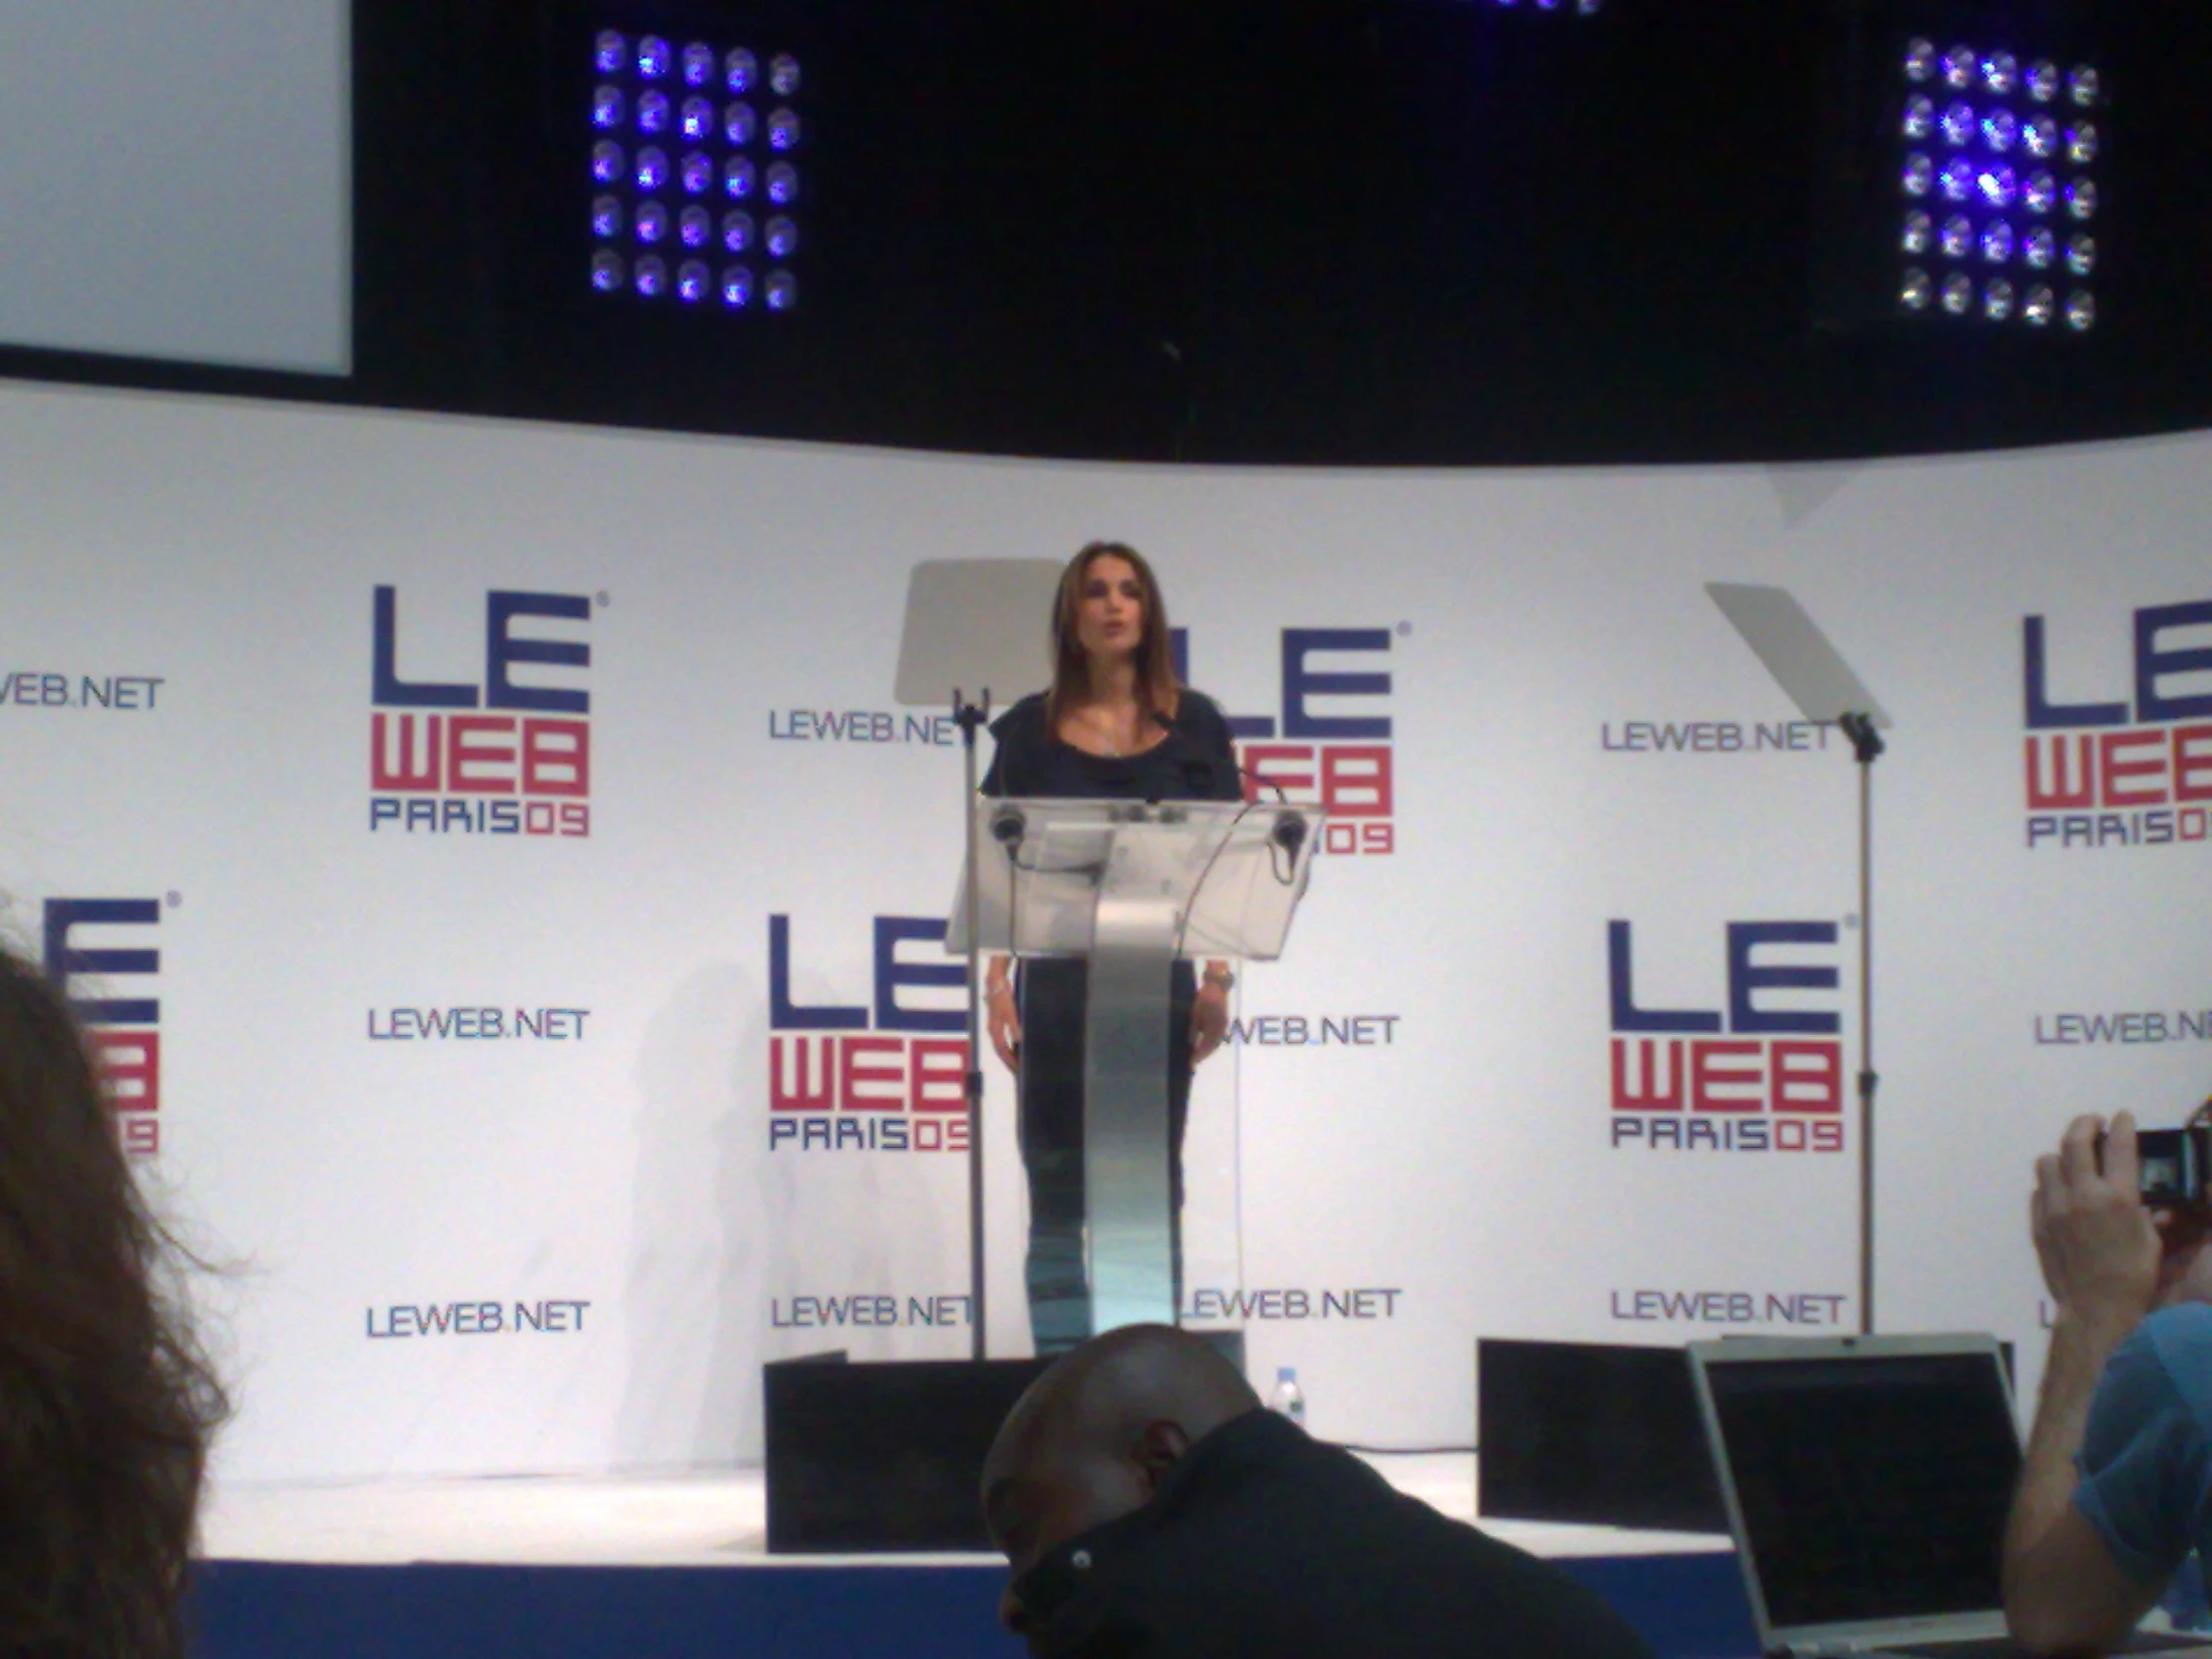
point(2146, 1459)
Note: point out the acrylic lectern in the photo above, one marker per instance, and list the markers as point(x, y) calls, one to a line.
point(1129, 887)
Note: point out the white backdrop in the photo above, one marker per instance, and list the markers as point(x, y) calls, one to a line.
point(567, 1240)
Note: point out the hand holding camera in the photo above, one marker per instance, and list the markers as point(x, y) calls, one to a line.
point(2099, 1246)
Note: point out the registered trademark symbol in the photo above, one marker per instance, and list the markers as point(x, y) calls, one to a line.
point(1404, 629)
point(1852, 920)
point(604, 598)
point(173, 899)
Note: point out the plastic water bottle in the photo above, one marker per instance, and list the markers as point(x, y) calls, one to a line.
point(1288, 1398)
point(2185, 1600)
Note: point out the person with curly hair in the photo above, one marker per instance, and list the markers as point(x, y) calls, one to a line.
point(107, 1403)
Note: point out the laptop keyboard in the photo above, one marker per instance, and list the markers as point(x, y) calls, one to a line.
point(2000, 1647)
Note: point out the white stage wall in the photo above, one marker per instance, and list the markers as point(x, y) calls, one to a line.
point(564, 1234)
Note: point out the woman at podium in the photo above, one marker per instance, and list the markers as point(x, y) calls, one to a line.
point(1115, 724)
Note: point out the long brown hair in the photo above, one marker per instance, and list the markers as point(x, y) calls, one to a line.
point(1158, 689)
point(106, 1399)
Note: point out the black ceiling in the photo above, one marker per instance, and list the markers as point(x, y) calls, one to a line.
point(1426, 232)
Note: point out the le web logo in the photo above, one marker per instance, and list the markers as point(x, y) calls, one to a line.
point(1330, 746)
point(1753, 1076)
point(2133, 771)
point(493, 756)
point(122, 1026)
point(885, 1075)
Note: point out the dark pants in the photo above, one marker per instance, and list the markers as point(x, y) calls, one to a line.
point(1053, 1008)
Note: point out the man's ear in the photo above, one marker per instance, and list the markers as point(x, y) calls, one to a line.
point(1158, 1449)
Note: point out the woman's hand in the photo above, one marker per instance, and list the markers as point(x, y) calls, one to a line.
point(1209, 1019)
point(1004, 1021)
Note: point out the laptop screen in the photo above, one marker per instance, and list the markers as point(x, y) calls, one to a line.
point(1872, 1486)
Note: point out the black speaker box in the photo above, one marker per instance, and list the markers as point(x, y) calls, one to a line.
point(883, 1457)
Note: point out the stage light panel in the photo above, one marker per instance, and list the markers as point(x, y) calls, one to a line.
point(1984, 136)
point(693, 96)
point(1580, 8)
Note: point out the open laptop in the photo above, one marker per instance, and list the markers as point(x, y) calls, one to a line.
point(1867, 1480)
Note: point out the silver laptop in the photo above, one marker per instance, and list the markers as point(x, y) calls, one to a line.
point(1868, 1480)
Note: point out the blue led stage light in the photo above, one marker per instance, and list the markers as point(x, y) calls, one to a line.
point(2008, 153)
point(675, 119)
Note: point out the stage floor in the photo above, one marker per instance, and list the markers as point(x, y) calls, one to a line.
point(717, 1518)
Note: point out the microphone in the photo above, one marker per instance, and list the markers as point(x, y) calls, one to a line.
point(1009, 826)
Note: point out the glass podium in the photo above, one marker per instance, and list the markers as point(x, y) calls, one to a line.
point(1112, 908)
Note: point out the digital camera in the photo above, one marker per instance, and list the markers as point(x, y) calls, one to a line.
point(2174, 1165)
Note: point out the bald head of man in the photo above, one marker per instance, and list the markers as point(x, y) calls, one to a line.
point(1093, 1437)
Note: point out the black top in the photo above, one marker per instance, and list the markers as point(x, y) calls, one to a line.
point(1264, 1542)
point(1196, 761)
